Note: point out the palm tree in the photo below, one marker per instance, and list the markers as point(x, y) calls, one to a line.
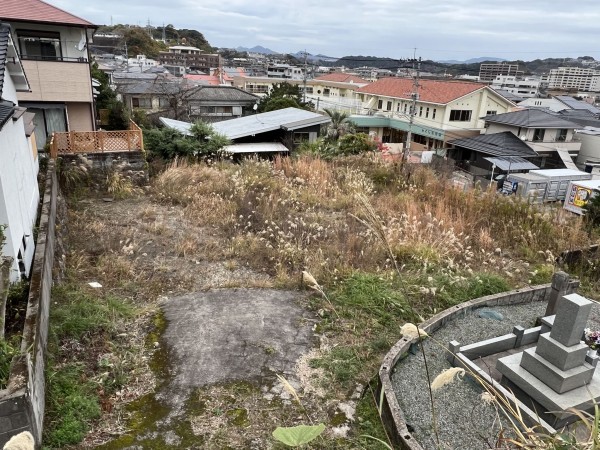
point(339, 126)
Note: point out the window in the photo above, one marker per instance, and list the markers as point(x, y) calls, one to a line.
point(433, 114)
point(427, 113)
point(561, 135)
point(300, 137)
point(309, 89)
point(398, 107)
point(380, 104)
point(164, 102)
point(405, 108)
point(419, 139)
point(326, 92)
point(538, 134)
point(44, 45)
point(491, 113)
point(141, 102)
point(460, 115)
point(420, 111)
point(389, 106)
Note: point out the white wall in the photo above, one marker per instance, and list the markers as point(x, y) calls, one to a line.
point(19, 195)
point(590, 149)
point(70, 37)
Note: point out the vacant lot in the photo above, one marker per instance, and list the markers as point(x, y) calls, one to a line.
point(201, 278)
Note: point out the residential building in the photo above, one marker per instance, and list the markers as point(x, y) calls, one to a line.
point(548, 134)
point(560, 103)
point(489, 71)
point(271, 132)
point(159, 94)
point(332, 91)
point(444, 111)
point(488, 154)
point(336, 91)
point(190, 57)
point(285, 71)
point(19, 194)
point(53, 45)
point(217, 103)
point(574, 78)
point(525, 88)
point(141, 62)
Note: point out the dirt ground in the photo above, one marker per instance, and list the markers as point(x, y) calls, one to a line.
point(212, 335)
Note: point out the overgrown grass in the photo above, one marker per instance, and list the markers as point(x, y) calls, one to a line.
point(82, 329)
point(8, 350)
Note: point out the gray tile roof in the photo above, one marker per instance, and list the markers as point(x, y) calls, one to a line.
point(509, 95)
point(531, 118)
point(496, 144)
point(220, 93)
point(582, 117)
point(7, 109)
point(4, 38)
point(153, 87)
point(577, 104)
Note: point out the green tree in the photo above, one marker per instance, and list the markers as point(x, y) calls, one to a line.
point(168, 143)
point(106, 96)
point(354, 144)
point(339, 126)
point(290, 92)
point(139, 43)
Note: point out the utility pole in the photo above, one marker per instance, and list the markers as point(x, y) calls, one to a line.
point(126, 57)
point(413, 107)
point(305, 75)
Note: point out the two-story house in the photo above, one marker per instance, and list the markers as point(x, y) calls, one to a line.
point(53, 45)
point(443, 111)
point(336, 91)
point(548, 134)
point(19, 194)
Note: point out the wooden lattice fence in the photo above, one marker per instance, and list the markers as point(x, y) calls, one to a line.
point(73, 142)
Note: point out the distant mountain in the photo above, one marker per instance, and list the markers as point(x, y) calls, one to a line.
point(473, 60)
point(314, 58)
point(257, 49)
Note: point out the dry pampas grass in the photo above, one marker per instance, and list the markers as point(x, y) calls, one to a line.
point(411, 331)
point(446, 377)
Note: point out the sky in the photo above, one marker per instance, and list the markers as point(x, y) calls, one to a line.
point(438, 29)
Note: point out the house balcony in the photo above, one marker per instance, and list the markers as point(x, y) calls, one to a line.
point(79, 142)
point(57, 81)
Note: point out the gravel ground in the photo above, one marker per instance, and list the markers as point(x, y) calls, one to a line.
point(464, 421)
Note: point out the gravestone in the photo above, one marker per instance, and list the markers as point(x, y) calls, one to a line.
point(555, 374)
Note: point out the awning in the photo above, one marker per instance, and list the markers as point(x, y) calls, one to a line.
point(258, 147)
point(566, 159)
point(512, 163)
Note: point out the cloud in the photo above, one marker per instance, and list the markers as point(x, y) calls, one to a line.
point(448, 29)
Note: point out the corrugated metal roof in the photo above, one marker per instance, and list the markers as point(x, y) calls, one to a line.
point(256, 147)
point(496, 144)
point(511, 163)
point(559, 172)
point(38, 11)
point(531, 118)
point(287, 119)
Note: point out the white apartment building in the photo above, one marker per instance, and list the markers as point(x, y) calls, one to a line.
point(524, 88)
point(285, 71)
point(576, 78)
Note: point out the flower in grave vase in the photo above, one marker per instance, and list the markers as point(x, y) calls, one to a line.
point(592, 340)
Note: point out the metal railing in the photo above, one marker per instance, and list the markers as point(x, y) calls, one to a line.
point(73, 142)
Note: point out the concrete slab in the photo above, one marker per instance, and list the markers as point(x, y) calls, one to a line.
point(580, 398)
point(235, 334)
point(560, 381)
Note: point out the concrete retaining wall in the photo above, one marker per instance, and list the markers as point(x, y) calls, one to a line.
point(22, 402)
point(391, 413)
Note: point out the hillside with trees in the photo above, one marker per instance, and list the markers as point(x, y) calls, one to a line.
point(148, 40)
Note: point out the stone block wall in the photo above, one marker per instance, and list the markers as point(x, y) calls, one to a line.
point(22, 403)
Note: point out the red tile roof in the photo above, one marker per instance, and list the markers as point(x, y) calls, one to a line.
point(429, 91)
point(340, 77)
point(38, 11)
